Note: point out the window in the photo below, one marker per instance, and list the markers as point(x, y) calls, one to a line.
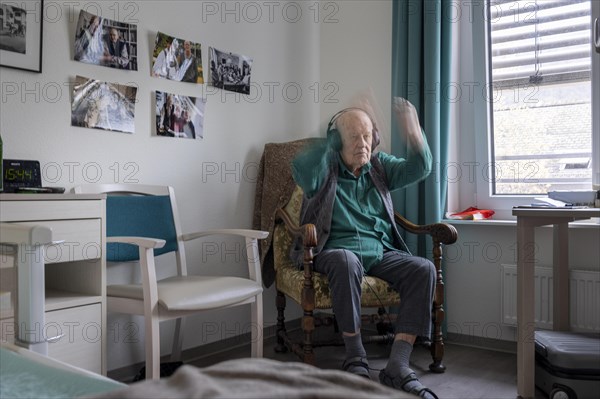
point(541, 113)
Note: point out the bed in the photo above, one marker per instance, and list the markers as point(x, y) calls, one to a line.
point(25, 374)
point(258, 378)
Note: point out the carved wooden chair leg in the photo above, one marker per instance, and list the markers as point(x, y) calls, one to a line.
point(437, 346)
point(308, 320)
point(281, 331)
point(308, 327)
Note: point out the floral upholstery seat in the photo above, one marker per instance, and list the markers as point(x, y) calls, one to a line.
point(290, 280)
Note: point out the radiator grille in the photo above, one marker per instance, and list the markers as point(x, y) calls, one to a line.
point(584, 292)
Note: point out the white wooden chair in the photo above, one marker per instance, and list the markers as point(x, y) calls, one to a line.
point(142, 222)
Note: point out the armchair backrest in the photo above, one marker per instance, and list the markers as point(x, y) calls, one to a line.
point(282, 238)
point(138, 216)
point(138, 210)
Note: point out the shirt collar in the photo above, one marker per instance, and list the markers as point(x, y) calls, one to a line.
point(345, 171)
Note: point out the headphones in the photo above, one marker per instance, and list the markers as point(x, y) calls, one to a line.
point(334, 137)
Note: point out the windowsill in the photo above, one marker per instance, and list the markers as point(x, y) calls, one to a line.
point(593, 223)
point(482, 222)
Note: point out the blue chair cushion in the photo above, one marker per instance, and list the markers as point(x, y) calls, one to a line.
point(139, 216)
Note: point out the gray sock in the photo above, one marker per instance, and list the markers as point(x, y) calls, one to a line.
point(399, 357)
point(398, 365)
point(354, 346)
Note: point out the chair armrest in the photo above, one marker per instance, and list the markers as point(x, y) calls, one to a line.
point(439, 232)
point(251, 237)
point(143, 242)
point(147, 267)
point(255, 234)
point(308, 232)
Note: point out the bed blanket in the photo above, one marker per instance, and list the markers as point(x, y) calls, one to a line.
point(257, 378)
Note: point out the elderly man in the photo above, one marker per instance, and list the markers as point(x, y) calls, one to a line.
point(115, 50)
point(347, 196)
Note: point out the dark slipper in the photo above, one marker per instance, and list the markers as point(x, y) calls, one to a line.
point(399, 383)
point(357, 365)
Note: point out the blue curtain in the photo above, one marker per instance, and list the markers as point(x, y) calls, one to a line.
point(421, 62)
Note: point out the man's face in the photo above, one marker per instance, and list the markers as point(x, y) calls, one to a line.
point(356, 129)
point(114, 36)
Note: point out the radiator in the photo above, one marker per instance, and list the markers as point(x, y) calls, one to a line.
point(584, 293)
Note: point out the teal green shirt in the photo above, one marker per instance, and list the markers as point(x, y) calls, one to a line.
point(359, 221)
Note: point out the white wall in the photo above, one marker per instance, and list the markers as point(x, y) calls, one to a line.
point(356, 53)
point(297, 54)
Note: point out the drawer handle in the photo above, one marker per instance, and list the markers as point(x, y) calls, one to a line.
point(55, 339)
point(596, 35)
point(29, 342)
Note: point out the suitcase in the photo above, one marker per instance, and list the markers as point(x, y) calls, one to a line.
point(567, 364)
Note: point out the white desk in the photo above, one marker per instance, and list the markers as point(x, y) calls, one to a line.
point(75, 273)
point(527, 220)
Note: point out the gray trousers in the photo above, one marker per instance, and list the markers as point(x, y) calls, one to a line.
point(412, 276)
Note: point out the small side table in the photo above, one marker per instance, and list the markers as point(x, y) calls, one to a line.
point(527, 220)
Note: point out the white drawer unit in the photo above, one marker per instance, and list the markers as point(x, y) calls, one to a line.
point(78, 239)
point(75, 274)
point(79, 336)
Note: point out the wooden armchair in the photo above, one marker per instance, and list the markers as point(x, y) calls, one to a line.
point(311, 290)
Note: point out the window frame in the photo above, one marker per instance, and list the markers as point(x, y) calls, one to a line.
point(481, 113)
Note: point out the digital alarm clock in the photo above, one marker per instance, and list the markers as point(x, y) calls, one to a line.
point(18, 173)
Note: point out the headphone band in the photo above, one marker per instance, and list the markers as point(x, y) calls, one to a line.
point(334, 135)
point(335, 117)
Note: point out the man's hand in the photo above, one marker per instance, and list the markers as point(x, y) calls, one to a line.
point(408, 123)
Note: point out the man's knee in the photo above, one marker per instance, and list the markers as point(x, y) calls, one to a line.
point(427, 269)
point(428, 265)
point(350, 263)
point(344, 262)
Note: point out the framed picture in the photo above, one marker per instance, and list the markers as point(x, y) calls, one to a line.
point(21, 34)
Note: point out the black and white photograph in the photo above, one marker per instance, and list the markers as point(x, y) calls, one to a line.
point(229, 71)
point(105, 42)
point(179, 116)
point(103, 105)
point(177, 59)
point(21, 34)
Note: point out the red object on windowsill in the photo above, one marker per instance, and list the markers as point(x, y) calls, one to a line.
point(471, 213)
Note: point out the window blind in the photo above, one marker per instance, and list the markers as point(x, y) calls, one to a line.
point(540, 41)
